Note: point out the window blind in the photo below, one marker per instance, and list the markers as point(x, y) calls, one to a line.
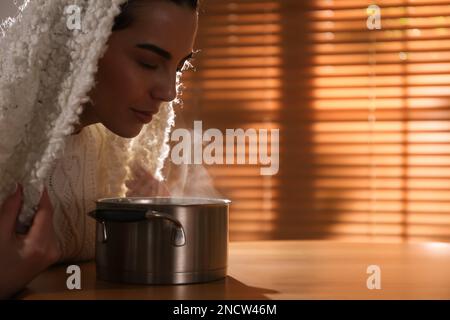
point(364, 116)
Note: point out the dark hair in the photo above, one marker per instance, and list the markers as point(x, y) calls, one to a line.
point(124, 19)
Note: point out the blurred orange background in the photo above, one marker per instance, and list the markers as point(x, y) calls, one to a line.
point(364, 116)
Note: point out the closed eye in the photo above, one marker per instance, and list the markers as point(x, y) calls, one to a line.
point(147, 66)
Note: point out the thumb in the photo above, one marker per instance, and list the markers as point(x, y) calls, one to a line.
point(43, 220)
point(10, 210)
point(44, 202)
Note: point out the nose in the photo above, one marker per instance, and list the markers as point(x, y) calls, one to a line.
point(165, 88)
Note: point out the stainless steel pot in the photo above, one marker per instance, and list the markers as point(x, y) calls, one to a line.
point(161, 240)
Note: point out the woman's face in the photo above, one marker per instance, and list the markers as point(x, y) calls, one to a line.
point(138, 70)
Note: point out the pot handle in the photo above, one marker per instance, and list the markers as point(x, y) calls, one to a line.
point(178, 234)
point(102, 215)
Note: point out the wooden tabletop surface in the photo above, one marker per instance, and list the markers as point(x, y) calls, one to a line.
point(285, 270)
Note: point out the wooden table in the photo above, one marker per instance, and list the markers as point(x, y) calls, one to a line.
point(285, 270)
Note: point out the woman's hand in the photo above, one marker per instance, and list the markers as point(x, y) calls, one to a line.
point(23, 257)
point(143, 184)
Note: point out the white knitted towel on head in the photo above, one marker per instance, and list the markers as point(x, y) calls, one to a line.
point(46, 71)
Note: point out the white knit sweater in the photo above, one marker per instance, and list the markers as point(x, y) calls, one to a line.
point(74, 184)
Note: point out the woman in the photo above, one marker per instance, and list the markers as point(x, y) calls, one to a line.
point(69, 140)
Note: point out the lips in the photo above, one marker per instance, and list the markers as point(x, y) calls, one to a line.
point(144, 116)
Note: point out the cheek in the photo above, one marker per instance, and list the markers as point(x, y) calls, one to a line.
point(119, 84)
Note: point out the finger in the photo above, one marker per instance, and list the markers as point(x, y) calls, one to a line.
point(142, 183)
point(129, 194)
point(154, 186)
point(145, 184)
point(145, 174)
point(134, 190)
point(10, 210)
point(163, 190)
point(130, 184)
point(133, 193)
point(138, 171)
point(148, 191)
point(145, 179)
point(157, 188)
point(42, 226)
point(143, 188)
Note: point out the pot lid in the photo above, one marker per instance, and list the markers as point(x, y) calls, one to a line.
point(187, 201)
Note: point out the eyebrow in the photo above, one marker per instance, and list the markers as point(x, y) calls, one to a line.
point(159, 51)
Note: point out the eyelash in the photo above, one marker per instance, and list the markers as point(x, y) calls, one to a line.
point(148, 66)
point(187, 65)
